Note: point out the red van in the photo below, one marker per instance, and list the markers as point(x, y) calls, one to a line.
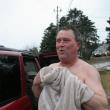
point(17, 70)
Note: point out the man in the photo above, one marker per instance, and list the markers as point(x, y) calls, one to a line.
point(67, 45)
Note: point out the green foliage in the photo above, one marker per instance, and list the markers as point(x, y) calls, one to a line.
point(108, 37)
point(89, 37)
point(34, 51)
point(48, 42)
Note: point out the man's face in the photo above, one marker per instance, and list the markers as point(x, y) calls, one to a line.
point(66, 44)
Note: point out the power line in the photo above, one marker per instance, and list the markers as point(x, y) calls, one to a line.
point(69, 6)
point(57, 10)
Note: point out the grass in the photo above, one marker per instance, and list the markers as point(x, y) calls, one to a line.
point(105, 77)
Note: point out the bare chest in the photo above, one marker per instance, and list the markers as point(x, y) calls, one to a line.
point(80, 73)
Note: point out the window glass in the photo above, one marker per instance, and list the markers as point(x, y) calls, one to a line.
point(30, 67)
point(10, 86)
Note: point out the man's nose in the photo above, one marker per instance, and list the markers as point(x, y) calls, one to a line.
point(61, 43)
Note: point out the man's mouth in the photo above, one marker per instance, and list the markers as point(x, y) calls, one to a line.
point(60, 49)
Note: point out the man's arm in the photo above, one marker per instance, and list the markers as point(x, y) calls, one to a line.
point(36, 87)
point(99, 100)
point(95, 103)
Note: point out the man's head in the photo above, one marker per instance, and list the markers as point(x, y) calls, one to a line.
point(67, 43)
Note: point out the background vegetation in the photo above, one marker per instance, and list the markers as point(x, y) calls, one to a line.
point(88, 38)
point(105, 77)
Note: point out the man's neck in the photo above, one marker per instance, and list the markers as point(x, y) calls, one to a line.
point(68, 63)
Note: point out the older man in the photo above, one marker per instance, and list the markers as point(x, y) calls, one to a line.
point(67, 45)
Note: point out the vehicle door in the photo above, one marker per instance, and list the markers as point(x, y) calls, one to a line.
point(11, 91)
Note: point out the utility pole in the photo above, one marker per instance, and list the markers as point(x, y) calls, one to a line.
point(57, 17)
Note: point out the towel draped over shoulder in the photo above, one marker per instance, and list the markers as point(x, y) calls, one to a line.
point(62, 90)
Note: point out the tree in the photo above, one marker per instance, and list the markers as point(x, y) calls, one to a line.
point(32, 50)
point(48, 41)
point(108, 37)
point(89, 37)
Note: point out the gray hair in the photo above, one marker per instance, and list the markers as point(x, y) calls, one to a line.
point(75, 31)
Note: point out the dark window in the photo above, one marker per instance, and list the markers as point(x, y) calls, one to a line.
point(31, 69)
point(10, 86)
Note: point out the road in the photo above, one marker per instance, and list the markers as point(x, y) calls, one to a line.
point(103, 65)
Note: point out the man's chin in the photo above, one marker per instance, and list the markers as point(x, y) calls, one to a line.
point(62, 57)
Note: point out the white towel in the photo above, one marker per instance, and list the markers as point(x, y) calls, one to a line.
point(62, 90)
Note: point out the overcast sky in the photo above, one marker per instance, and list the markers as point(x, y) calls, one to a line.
point(22, 22)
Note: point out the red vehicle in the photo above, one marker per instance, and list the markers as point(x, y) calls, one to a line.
point(48, 58)
point(17, 70)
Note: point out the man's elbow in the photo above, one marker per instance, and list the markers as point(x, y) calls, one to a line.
point(105, 104)
point(98, 103)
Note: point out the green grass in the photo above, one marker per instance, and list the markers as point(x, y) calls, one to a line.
point(105, 77)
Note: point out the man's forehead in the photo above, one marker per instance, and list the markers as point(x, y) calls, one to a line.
point(65, 33)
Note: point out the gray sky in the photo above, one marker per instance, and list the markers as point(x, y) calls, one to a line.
point(22, 22)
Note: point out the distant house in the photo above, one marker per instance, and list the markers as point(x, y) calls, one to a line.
point(101, 50)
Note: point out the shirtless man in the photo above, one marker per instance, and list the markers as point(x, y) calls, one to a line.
point(67, 45)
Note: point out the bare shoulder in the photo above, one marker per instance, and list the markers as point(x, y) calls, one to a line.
point(92, 78)
point(90, 70)
point(54, 65)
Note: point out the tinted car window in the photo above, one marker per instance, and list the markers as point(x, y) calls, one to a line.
point(10, 86)
point(31, 70)
point(30, 67)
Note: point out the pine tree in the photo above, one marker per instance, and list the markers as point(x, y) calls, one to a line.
point(48, 41)
point(108, 37)
point(89, 37)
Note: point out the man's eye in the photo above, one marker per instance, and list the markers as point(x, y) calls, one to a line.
point(63, 40)
point(58, 40)
point(66, 40)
